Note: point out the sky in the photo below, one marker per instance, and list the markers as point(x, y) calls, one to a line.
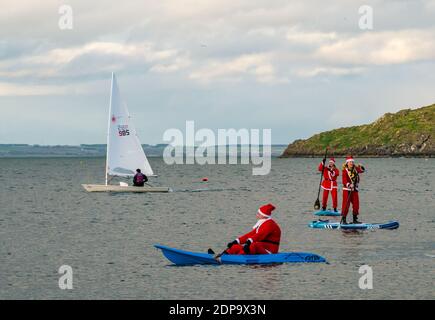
point(296, 67)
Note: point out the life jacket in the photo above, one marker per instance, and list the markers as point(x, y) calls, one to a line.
point(353, 175)
point(140, 178)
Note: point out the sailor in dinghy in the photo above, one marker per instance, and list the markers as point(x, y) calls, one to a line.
point(139, 179)
point(124, 150)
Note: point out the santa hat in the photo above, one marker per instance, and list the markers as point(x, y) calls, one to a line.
point(266, 210)
point(332, 160)
point(349, 159)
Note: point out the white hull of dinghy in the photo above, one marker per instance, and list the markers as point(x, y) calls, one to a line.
point(113, 188)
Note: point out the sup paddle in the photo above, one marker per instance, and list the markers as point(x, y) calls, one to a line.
point(317, 203)
point(349, 193)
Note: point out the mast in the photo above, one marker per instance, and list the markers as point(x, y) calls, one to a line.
point(108, 131)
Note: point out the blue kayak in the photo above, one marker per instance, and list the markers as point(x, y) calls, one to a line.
point(181, 257)
point(325, 224)
point(330, 213)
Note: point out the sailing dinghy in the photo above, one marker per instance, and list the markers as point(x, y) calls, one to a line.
point(124, 151)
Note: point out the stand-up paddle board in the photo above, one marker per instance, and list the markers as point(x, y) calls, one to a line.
point(325, 224)
point(181, 257)
point(330, 213)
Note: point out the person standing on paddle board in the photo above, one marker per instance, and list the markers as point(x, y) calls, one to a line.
point(263, 239)
point(139, 179)
point(351, 179)
point(329, 184)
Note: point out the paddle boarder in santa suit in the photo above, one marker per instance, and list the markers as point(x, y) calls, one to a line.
point(351, 179)
point(264, 238)
point(139, 179)
point(329, 184)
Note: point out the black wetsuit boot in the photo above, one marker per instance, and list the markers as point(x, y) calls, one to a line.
point(355, 219)
point(343, 220)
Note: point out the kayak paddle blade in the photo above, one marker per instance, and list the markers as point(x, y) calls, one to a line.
point(317, 205)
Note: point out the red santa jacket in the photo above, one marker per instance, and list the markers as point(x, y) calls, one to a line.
point(264, 231)
point(329, 177)
point(351, 177)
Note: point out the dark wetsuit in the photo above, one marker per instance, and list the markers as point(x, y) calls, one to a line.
point(139, 180)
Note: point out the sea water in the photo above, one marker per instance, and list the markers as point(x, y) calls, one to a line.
point(47, 220)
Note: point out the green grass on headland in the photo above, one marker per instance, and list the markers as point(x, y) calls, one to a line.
point(405, 133)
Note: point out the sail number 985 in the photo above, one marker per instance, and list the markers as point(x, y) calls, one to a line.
point(123, 133)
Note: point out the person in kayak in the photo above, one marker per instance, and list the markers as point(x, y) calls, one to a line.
point(329, 184)
point(264, 237)
point(139, 179)
point(350, 179)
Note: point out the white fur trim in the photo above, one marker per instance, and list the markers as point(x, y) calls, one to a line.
point(250, 239)
point(264, 215)
point(334, 185)
point(238, 241)
point(260, 222)
point(349, 160)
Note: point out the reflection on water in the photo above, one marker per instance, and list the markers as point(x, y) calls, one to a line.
point(47, 220)
point(352, 233)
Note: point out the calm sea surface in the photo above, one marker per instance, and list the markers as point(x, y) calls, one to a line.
point(48, 220)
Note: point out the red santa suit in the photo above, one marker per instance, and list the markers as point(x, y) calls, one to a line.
point(264, 237)
point(350, 195)
point(329, 183)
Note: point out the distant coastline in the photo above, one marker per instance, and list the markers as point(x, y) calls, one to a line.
point(85, 150)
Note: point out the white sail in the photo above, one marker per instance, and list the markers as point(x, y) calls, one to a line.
point(124, 151)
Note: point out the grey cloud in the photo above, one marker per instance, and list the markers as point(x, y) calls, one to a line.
point(274, 63)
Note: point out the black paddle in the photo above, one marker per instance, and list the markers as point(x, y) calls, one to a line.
point(317, 203)
point(217, 257)
point(349, 193)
